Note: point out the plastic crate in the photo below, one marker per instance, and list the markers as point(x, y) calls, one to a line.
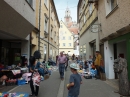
point(21, 82)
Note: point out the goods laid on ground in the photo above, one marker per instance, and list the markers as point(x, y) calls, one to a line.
point(88, 75)
point(13, 94)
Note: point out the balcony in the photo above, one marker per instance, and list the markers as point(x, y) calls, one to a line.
point(17, 19)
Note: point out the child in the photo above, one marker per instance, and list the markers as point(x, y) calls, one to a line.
point(75, 81)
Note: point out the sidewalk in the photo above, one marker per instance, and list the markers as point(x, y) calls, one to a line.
point(48, 88)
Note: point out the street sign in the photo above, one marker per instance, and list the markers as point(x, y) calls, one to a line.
point(95, 28)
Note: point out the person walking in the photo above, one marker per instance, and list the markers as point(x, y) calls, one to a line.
point(67, 56)
point(35, 77)
point(74, 81)
point(61, 61)
point(98, 63)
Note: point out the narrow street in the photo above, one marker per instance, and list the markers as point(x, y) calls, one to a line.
point(89, 88)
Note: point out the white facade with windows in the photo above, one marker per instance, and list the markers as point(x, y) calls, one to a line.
point(66, 39)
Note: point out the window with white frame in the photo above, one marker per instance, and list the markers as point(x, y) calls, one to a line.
point(69, 44)
point(46, 24)
point(45, 1)
point(63, 44)
point(69, 38)
point(90, 9)
point(30, 2)
point(113, 4)
point(84, 18)
point(63, 38)
point(110, 5)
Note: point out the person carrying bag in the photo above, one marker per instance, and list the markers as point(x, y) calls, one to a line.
point(35, 76)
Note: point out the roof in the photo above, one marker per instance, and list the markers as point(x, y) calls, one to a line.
point(74, 30)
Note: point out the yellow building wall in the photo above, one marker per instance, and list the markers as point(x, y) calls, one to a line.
point(51, 42)
point(89, 17)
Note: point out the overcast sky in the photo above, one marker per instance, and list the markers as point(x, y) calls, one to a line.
point(61, 6)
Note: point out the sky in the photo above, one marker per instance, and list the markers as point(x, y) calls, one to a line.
point(61, 6)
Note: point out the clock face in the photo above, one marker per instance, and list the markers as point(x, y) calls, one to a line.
point(95, 28)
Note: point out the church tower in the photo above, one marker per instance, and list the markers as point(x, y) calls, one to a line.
point(67, 17)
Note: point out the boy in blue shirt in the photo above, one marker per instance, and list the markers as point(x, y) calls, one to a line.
point(74, 82)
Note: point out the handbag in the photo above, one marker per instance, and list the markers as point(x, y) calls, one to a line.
point(36, 78)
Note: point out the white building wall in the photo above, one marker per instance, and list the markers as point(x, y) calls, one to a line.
point(109, 60)
point(23, 8)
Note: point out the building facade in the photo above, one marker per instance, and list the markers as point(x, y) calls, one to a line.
point(88, 29)
point(73, 28)
point(66, 42)
point(49, 30)
point(114, 16)
point(17, 21)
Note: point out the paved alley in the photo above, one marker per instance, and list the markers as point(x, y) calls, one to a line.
point(89, 88)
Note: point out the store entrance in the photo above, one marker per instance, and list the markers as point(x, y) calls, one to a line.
point(10, 53)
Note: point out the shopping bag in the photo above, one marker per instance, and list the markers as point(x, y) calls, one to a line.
point(36, 78)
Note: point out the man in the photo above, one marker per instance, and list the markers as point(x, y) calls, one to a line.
point(98, 63)
point(61, 61)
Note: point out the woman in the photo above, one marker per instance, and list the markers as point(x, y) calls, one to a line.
point(3, 78)
point(34, 67)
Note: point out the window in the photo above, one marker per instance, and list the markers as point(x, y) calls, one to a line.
point(30, 2)
point(51, 31)
point(84, 18)
point(46, 25)
point(90, 9)
point(60, 26)
point(69, 44)
point(113, 4)
point(50, 51)
point(69, 37)
point(45, 51)
point(63, 44)
point(63, 38)
point(55, 36)
point(45, 1)
point(110, 5)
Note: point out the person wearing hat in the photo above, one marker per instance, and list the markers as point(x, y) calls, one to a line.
point(74, 81)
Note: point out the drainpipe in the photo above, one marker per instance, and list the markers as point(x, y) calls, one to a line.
point(49, 28)
point(30, 44)
point(39, 25)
